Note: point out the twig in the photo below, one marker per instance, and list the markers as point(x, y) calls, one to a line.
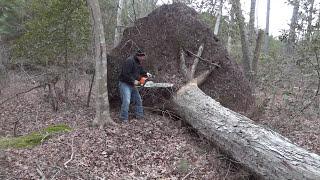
point(227, 171)
point(37, 117)
point(42, 176)
point(56, 172)
point(90, 89)
point(33, 81)
point(205, 60)
point(170, 114)
point(188, 174)
point(101, 178)
point(16, 95)
point(132, 43)
point(47, 134)
point(72, 153)
point(15, 128)
point(130, 18)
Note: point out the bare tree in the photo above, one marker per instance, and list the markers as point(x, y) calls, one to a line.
point(266, 41)
point(102, 102)
point(251, 33)
point(255, 59)
point(293, 26)
point(118, 30)
point(310, 13)
point(244, 40)
point(218, 20)
point(230, 29)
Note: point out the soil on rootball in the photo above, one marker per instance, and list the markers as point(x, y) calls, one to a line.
point(162, 34)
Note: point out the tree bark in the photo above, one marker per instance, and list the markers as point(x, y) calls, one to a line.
point(309, 28)
point(252, 33)
point(118, 30)
point(266, 40)
point(293, 26)
point(218, 20)
point(263, 151)
point(230, 29)
point(244, 40)
point(102, 102)
point(255, 58)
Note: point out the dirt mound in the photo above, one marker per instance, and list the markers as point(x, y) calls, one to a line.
point(162, 34)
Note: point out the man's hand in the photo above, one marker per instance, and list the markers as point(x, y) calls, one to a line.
point(137, 83)
point(149, 75)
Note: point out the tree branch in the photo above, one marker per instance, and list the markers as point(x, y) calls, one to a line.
point(16, 95)
point(42, 176)
point(183, 66)
point(196, 61)
point(72, 153)
point(205, 60)
point(202, 77)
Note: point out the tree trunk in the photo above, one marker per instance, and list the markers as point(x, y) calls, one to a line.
point(263, 151)
point(255, 58)
point(66, 72)
point(252, 33)
point(309, 28)
point(118, 30)
point(244, 41)
point(266, 40)
point(293, 26)
point(148, 6)
point(102, 102)
point(230, 30)
point(218, 20)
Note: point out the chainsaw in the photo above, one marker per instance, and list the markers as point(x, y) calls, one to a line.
point(147, 83)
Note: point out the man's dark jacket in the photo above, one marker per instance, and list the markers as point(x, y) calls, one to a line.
point(131, 70)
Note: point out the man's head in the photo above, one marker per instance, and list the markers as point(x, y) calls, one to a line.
point(140, 55)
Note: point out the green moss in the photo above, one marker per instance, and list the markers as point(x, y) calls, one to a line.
point(183, 166)
point(57, 128)
point(33, 138)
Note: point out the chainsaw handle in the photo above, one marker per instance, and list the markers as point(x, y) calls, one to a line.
point(143, 81)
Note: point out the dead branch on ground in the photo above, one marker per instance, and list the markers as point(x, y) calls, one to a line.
point(72, 153)
point(20, 93)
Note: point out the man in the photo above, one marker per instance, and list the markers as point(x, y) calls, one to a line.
point(131, 73)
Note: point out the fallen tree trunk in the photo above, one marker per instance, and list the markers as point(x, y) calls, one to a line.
point(265, 152)
point(176, 30)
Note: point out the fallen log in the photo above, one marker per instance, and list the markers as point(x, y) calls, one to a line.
point(263, 151)
point(266, 153)
point(170, 35)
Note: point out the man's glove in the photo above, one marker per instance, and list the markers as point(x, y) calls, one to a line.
point(149, 75)
point(137, 83)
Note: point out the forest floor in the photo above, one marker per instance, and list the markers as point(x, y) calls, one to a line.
point(301, 127)
point(157, 147)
